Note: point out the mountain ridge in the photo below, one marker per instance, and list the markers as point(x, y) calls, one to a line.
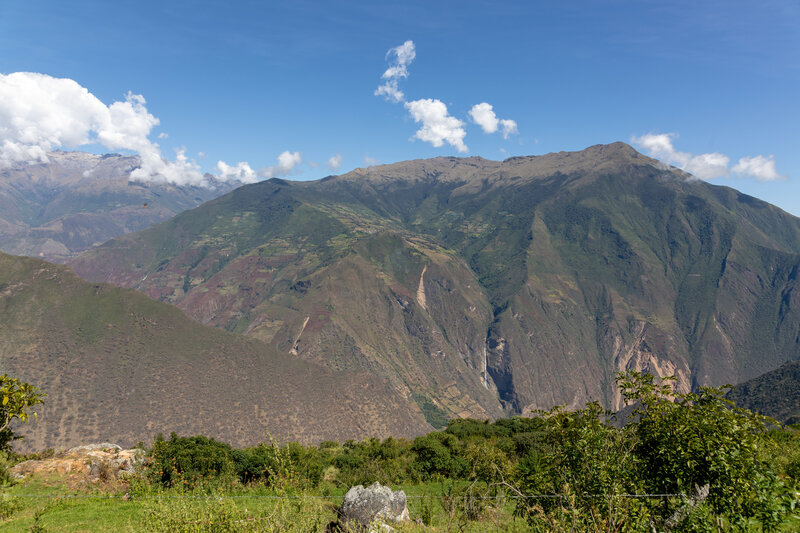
point(118, 366)
point(571, 267)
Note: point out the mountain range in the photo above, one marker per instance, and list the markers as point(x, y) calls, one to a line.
point(75, 200)
point(482, 288)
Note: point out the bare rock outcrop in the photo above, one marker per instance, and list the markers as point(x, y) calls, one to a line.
point(376, 504)
point(90, 463)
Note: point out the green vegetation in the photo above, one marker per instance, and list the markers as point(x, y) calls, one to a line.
point(686, 462)
point(16, 400)
point(435, 416)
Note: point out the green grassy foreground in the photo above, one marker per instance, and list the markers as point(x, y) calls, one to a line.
point(52, 506)
point(687, 463)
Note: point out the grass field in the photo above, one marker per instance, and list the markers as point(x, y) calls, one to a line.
point(54, 506)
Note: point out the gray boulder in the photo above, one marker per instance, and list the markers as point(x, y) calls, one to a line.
point(374, 504)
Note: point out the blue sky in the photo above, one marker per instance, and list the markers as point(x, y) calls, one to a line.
point(709, 86)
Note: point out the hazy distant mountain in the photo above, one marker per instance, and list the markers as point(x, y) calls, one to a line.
point(77, 200)
point(120, 367)
point(553, 272)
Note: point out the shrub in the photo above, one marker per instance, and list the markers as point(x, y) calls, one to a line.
point(436, 454)
point(189, 460)
point(582, 464)
point(685, 441)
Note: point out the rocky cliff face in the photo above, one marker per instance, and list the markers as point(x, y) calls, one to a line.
point(476, 286)
point(77, 200)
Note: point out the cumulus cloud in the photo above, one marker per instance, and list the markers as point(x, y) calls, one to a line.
point(335, 162)
point(399, 58)
point(760, 167)
point(708, 166)
point(437, 125)
point(155, 168)
point(287, 161)
point(39, 113)
point(370, 161)
point(241, 172)
point(483, 115)
point(704, 166)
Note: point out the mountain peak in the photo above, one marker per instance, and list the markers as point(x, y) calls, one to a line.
point(591, 160)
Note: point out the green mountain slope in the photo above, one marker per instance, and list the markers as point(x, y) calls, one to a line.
point(552, 273)
point(118, 366)
point(775, 394)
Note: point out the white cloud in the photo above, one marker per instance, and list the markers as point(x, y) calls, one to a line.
point(403, 56)
point(153, 167)
point(370, 161)
point(390, 91)
point(760, 167)
point(287, 161)
point(704, 166)
point(163, 135)
point(39, 113)
point(399, 58)
point(483, 115)
point(437, 125)
point(509, 127)
point(708, 166)
point(335, 162)
point(241, 172)
point(660, 146)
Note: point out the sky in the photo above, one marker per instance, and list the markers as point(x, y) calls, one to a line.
point(304, 89)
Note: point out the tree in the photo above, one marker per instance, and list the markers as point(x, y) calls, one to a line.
point(17, 400)
point(577, 475)
point(693, 462)
point(699, 441)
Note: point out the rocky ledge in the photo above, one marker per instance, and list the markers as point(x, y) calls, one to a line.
point(91, 463)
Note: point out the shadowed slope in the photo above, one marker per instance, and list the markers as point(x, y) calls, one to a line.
point(775, 394)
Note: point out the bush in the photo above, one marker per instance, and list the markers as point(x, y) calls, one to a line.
point(436, 454)
point(686, 441)
point(582, 464)
point(189, 460)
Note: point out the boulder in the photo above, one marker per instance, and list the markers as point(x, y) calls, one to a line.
point(91, 463)
point(364, 507)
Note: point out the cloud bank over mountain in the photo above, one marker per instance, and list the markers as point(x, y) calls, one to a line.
point(40, 113)
point(706, 166)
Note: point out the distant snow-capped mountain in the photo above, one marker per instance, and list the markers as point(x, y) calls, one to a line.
point(77, 200)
